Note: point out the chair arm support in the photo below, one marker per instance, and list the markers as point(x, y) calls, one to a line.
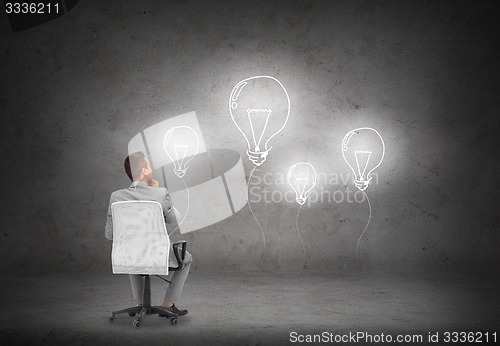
point(179, 257)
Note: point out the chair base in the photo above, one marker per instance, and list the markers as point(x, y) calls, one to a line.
point(141, 311)
point(146, 308)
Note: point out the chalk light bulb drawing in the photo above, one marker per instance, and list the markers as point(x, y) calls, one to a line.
point(260, 108)
point(302, 178)
point(363, 150)
point(181, 144)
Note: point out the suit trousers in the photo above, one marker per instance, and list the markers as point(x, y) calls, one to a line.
point(174, 290)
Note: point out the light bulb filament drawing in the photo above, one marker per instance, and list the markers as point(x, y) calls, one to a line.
point(301, 189)
point(259, 107)
point(362, 156)
point(258, 113)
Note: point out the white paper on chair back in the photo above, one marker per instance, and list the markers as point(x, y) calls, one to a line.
point(140, 240)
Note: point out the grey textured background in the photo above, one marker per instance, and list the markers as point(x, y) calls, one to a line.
point(424, 74)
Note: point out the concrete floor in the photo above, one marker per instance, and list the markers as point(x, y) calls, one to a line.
point(248, 308)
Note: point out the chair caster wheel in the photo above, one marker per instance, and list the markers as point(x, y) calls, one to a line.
point(131, 314)
point(111, 318)
point(173, 321)
point(137, 323)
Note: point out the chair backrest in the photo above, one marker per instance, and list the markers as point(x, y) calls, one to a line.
point(140, 239)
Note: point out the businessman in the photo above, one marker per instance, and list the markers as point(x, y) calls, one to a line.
point(144, 187)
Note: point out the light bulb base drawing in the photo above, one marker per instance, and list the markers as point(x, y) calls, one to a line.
point(180, 172)
point(362, 184)
point(301, 200)
point(257, 157)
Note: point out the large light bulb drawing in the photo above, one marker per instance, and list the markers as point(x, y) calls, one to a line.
point(302, 178)
point(181, 145)
point(363, 150)
point(259, 107)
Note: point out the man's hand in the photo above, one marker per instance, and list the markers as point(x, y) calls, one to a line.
point(153, 183)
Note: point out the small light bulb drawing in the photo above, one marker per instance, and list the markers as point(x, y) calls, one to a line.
point(181, 144)
point(363, 150)
point(259, 107)
point(302, 178)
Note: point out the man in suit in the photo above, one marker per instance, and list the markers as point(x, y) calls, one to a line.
point(144, 187)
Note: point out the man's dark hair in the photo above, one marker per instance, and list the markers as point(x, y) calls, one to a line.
point(133, 164)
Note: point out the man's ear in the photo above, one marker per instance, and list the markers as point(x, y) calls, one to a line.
point(144, 171)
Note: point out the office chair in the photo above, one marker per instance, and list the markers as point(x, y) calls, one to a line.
point(141, 246)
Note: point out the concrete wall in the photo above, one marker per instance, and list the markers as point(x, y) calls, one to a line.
point(75, 90)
